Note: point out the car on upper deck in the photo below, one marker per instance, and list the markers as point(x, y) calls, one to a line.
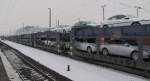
point(85, 24)
point(124, 20)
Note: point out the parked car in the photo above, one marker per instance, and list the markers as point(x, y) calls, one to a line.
point(62, 29)
point(123, 47)
point(85, 23)
point(87, 45)
point(124, 20)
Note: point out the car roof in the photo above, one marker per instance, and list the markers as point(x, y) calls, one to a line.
point(81, 23)
point(127, 15)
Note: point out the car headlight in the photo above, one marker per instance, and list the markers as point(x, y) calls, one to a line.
point(146, 53)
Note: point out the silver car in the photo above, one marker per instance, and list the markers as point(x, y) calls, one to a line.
point(85, 23)
point(87, 45)
point(124, 20)
point(123, 47)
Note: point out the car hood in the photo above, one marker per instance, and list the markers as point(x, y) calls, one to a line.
point(134, 47)
point(141, 19)
point(145, 48)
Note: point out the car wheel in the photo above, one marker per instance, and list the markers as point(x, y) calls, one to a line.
point(58, 49)
point(135, 24)
point(105, 26)
point(105, 52)
point(71, 51)
point(89, 49)
point(135, 55)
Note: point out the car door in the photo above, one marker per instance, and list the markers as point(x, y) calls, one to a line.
point(84, 45)
point(78, 43)
point(81, 44)
point(125, 20)
point(121, 20)
point(123, 48)
point(118, 21)
point(112, 47)
point(111, 21)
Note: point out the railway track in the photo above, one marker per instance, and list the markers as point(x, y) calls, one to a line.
point(28, 69)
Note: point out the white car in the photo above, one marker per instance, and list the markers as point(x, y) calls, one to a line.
point(50, 43)
point(85, 23)
point(123, 47)
point(62, 29)
point(86, 45)
point(124, 20)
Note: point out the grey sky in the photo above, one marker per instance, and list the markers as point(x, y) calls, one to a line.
point(35, 12)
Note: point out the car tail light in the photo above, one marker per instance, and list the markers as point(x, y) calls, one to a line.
point(102, 40)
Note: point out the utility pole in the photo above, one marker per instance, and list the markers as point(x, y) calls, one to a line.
point(103, 7)
point(137, 10)
point(23, 28)
point(49, 17)
point(57, 23)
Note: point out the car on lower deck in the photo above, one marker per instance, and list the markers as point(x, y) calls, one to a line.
point(123, 47)
point(87, 45)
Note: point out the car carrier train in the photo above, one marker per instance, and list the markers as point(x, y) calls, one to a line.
point(127, 46)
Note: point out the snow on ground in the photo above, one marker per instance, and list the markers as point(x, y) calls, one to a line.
point(13, 76)
point(80, 71)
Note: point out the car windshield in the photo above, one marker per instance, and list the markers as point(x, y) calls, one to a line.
point(116, 42)
point(124, 41)
point(91, 40)
point(110, 18)
point(120, 16)
point(132, 42)
point(116, 17)
point(91, 23)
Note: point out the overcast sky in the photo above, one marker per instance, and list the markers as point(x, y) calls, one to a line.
point(13, 13)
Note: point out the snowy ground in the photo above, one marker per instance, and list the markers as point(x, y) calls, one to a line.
point(80, 71)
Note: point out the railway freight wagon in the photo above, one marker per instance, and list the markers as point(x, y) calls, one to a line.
point(90, 38)
point(87, 41)
point(133, 32)
point(48, 40)
point(52, 41)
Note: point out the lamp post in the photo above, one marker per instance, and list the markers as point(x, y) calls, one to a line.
point(103, 7)
point(49, 17)
point(137, 10)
